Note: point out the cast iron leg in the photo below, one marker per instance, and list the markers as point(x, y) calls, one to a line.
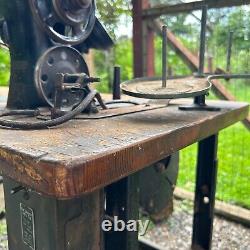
point(122, 200)
point(205, 193)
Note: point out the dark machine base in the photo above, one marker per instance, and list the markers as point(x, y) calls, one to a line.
point(157, 185)
point(199, 105)
point(38, 222)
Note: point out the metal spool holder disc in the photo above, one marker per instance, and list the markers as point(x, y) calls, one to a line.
point(151, 88)
point(183, 87)
point(171, 88)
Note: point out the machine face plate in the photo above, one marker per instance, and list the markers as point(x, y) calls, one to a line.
point(151, 88)
point(28, 226)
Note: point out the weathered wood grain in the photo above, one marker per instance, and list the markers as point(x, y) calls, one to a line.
point(82, 156)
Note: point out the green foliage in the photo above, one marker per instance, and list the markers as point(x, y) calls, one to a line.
point(178, 67)
point(4, 67)
point(122, 56)
point(110, 12)
point(179, 26)
point(238, 22)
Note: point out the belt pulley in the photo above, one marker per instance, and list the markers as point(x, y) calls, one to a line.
point(65, 21)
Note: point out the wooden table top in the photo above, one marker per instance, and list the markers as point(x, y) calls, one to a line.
point(84, 155)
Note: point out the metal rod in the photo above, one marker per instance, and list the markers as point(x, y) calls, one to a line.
point(164, 56)
point(117, 83)
point(203, 40)
point(229, 50)
point(227, 76)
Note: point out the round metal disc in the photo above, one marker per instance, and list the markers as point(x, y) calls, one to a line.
point(151, 88)
point(59, 59)
point(73, 16)
point(63, 26)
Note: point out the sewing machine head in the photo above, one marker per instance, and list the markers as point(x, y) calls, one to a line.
point(46, 40)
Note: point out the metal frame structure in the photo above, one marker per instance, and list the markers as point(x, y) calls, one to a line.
point(144, 19)
point(143, 33)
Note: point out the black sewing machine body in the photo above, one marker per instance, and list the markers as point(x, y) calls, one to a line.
point(56, 31)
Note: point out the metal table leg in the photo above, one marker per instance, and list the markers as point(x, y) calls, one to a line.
point(122, 200)
point(205, 193)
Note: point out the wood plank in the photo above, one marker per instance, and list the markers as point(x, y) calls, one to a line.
point(231, 212)
point(191, 6)
point(82, 156)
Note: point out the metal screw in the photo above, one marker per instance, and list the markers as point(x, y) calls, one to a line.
point(92, 79)
point(16, 190)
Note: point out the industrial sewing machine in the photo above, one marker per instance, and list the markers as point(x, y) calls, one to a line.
point(50, 85)
point(46, 41)
point(49, 74)
point(50, 80)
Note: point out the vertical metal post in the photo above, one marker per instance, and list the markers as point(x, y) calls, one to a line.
point(202, 41)
point(117, 83)
point(122, 200)
point(205, 193)
point(164, 56)
point(229, 50)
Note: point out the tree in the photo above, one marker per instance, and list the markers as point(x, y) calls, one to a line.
point(110, 12)
point(238, 22)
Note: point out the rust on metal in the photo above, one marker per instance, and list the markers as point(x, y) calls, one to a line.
point(83, 156)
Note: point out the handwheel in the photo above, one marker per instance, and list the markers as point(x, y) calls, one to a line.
point(65, 21)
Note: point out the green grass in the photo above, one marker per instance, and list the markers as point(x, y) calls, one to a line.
point(3, 227)
point(233, 170)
